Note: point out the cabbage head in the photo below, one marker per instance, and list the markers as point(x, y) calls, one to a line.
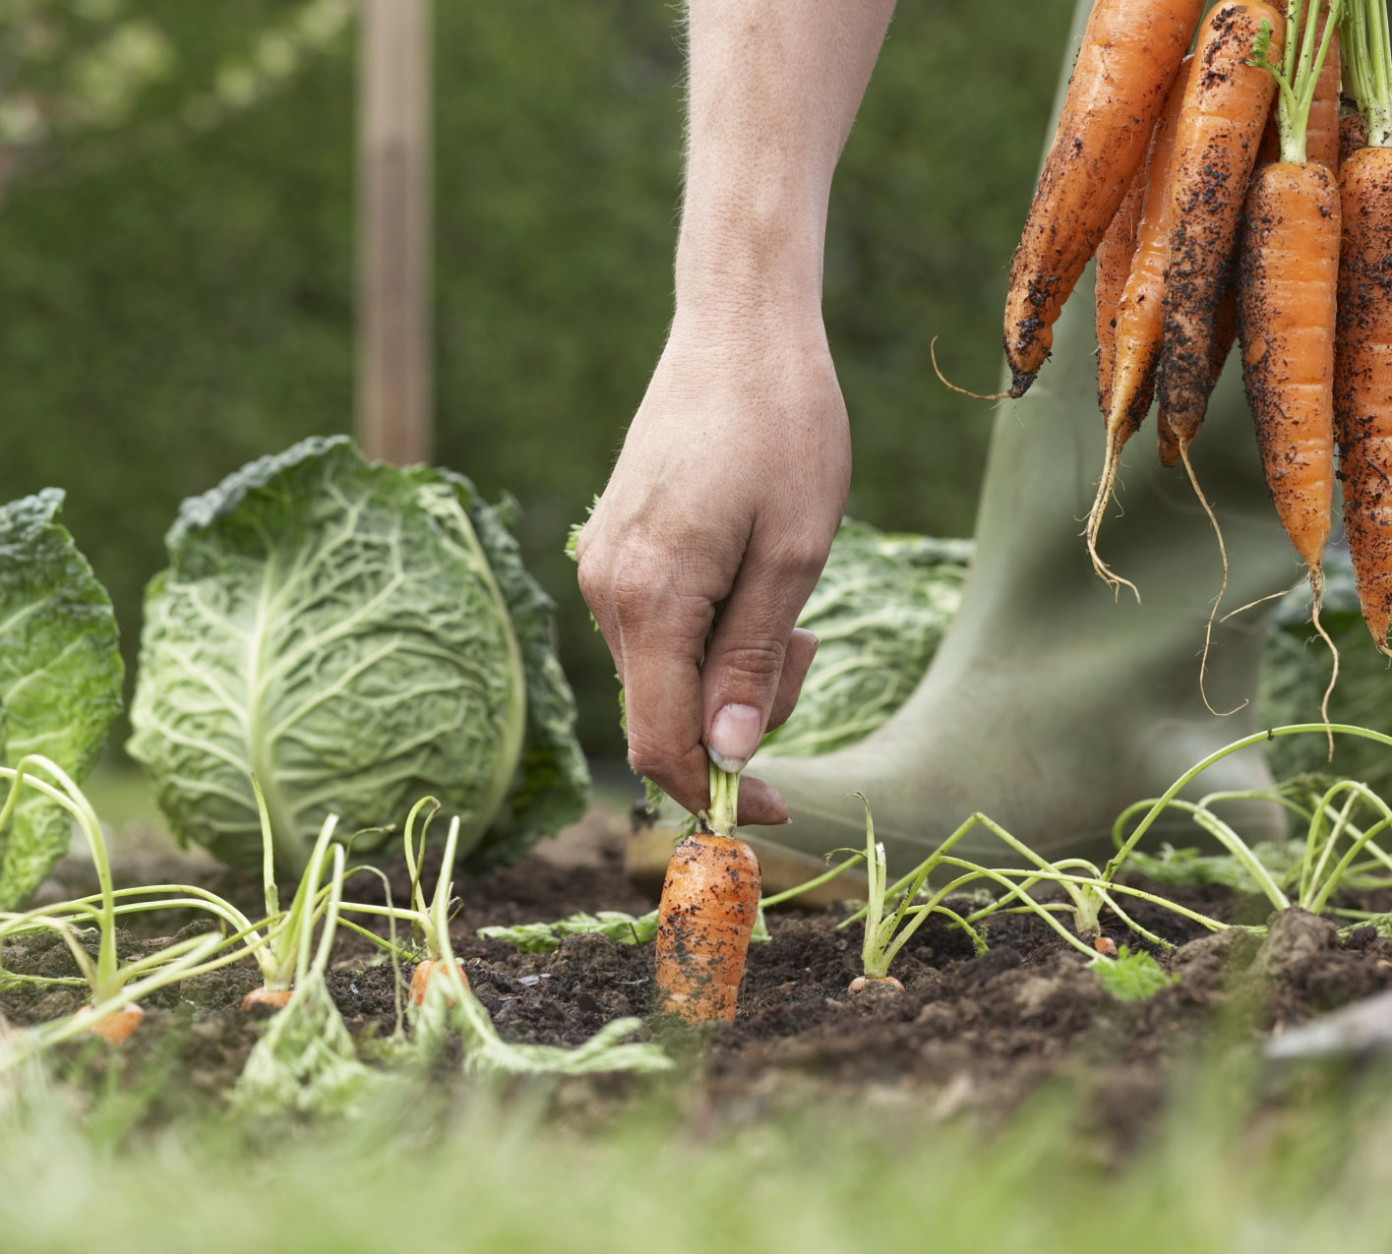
point(357, 636)
point(60, 678)
point(880, 610)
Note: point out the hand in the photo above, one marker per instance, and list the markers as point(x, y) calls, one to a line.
point(729, 489)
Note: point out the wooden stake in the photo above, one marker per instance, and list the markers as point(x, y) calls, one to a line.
point(394, 416)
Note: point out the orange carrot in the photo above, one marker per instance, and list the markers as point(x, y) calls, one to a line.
point(271, 998)
point(1286, 302)
point(1220, 126)
point(1322, 129)
point(1130, 54)
point(117, 1026)
point(1363, 380)
point(1114, 257)
point(709, 903)
point(425, 972)
point(1139, 316)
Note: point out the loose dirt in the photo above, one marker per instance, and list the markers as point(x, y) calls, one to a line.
point(969, 1032)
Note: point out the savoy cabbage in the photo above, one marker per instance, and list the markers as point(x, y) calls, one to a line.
point(60, 677)
point(357, 636)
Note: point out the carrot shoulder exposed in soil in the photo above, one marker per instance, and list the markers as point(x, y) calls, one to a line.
point(1221, 121)
point(709, 903)
point(1130, 54)
point(1363, 379)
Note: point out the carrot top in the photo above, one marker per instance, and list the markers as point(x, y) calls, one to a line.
point(1368, 66)
point(1299, 71)
point(721, 818)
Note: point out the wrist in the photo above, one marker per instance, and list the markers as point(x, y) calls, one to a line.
point(746, 258)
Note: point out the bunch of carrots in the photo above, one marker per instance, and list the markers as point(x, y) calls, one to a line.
point(1226, 192)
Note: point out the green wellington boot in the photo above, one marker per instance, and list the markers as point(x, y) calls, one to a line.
point(1052, 704)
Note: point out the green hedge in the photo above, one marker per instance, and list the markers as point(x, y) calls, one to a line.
point(168, 317)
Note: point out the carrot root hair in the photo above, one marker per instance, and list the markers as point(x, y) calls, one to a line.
point(1222, 587)
point(1105, 486)
point(1317, 602)
point(947, 383)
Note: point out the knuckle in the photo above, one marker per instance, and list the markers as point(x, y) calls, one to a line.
point(759, 664)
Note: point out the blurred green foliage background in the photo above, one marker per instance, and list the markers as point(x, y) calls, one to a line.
point(176, 279)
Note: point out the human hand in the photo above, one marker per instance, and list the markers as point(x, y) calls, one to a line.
point(727, 493)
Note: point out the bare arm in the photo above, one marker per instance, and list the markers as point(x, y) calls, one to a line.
point(734, 472)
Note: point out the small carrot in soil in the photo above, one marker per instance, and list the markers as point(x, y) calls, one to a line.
point(270, 998)
point(862, 982)
point(426, 971)
point(1219, 130)
point(1363, 355)
point(116, 1027)
point(1130, 54)
point(1114, 257)
point(710, 900)
point(1139, 317)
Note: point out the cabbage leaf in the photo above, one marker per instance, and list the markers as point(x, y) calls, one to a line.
point(357, 636)
point(880, 610)
point(60, 677)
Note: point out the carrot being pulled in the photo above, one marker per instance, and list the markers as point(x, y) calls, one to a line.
point(1130, 54)
point(1363, 356)
point(710, 901)
point(1219, 131)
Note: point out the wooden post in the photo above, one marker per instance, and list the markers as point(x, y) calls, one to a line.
point(395, 406)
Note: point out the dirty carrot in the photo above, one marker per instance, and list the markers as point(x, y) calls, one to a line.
point(1139, 318)
point(1363, 354)
point(1130, 54)
point(1220, 125)
point(1287, 287)
point(427, 970)
point(1114, 259)
point(710, 900)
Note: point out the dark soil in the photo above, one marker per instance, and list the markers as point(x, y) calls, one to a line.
point(967, 1033)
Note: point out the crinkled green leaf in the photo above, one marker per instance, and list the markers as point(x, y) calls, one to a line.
point(306, 1062)
point(544, 938)
point(60, 676)
point(551, 786)
point(336, 628)
point(1295, 673)
point(879, 610)
point(1132, 976)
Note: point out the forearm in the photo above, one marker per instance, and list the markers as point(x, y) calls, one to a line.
point(774, 88)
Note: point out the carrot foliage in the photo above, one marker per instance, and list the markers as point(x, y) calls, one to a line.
point(1367, 51)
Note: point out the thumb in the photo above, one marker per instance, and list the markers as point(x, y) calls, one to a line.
point(747, 656)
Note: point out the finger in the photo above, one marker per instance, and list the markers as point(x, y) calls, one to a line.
point(596, 586)
point(759, 804)
point(802, 649)
point(746, 655)
point(661, 637)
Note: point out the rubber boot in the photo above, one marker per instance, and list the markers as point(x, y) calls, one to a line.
point(1052, 703)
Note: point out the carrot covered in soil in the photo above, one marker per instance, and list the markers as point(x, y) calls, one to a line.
point(709, 903)
point(427, 970)
point(1287, 288)
point(1363, 355)
point(1114, 257)
point(1139, 317)
point(1130, 54)
point(1220, 125)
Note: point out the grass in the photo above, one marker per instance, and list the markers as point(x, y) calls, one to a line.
point(500, 1175)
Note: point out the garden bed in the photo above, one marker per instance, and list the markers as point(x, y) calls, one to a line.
point(969, 1033)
